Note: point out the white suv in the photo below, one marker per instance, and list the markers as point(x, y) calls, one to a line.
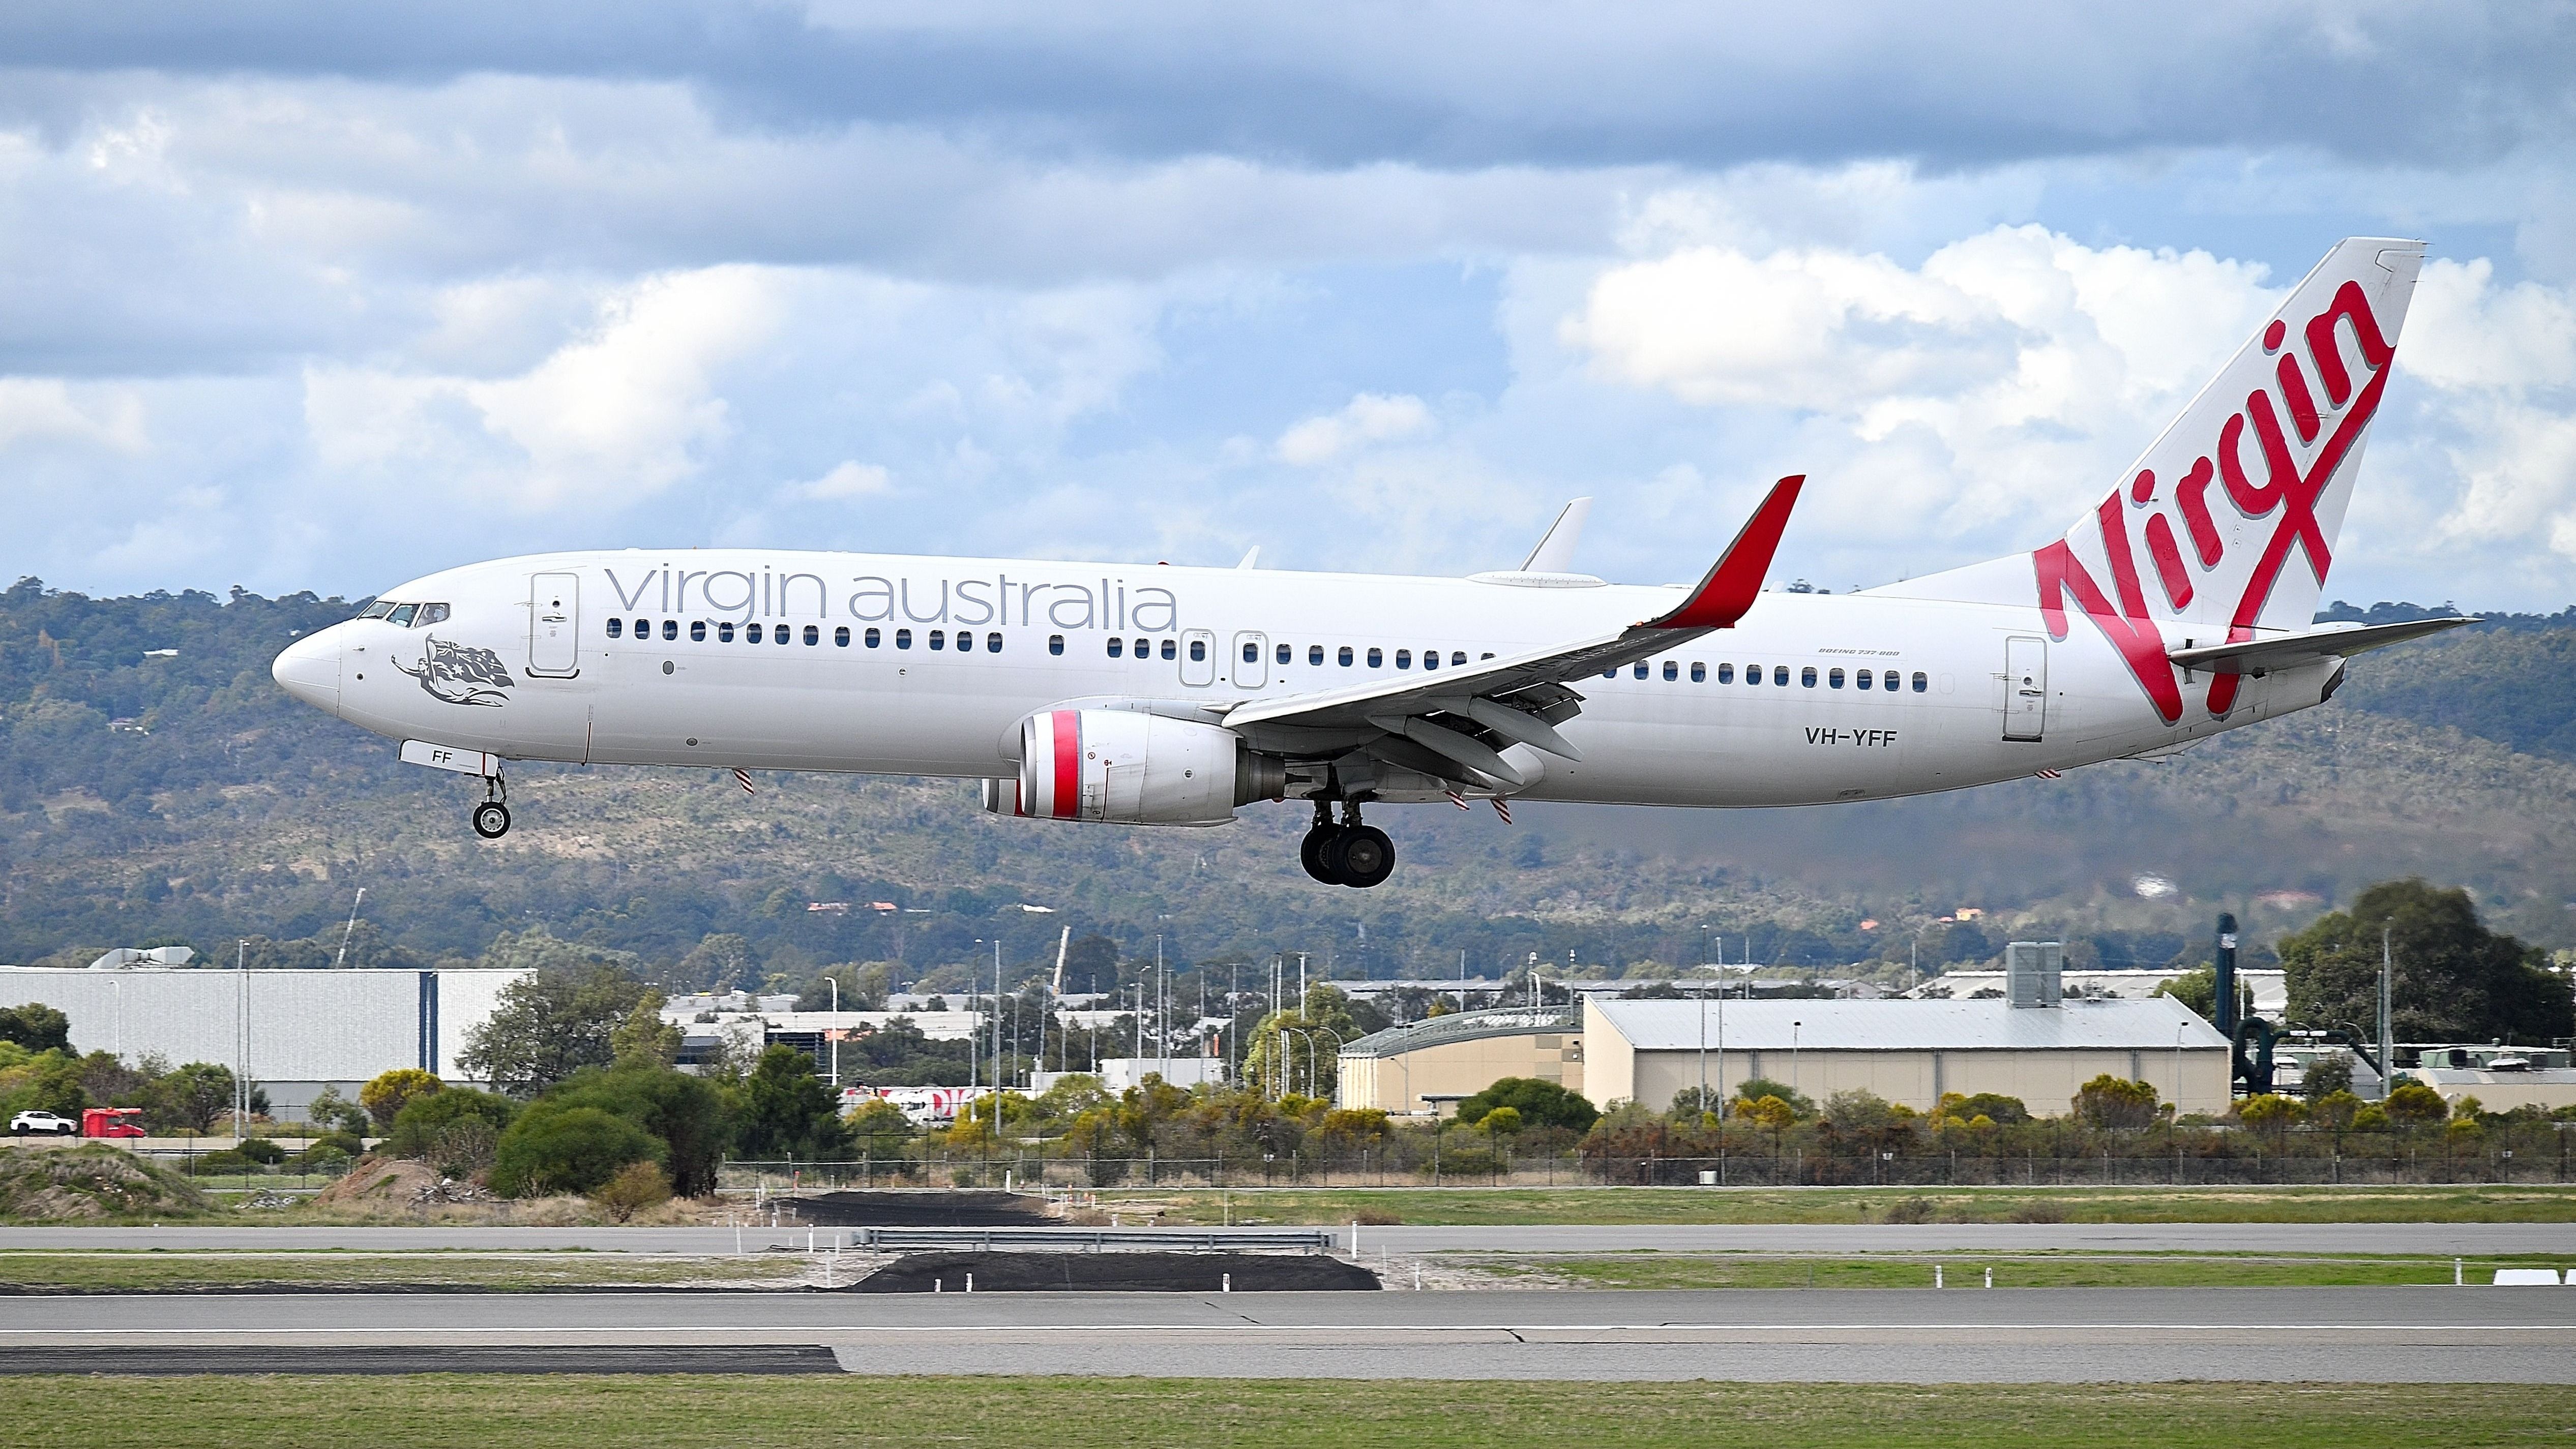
point(26, 1122)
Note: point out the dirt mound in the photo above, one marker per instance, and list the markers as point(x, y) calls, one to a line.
point(380, 1180)
point(94, 1180)
point(1117, 1273)
point(921, 1210)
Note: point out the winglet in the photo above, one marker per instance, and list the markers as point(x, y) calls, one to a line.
point(1555, 551)
point(1732, 582)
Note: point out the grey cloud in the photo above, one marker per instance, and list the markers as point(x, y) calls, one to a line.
point(1461, 85)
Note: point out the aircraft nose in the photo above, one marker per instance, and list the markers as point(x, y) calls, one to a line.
point(309, 669)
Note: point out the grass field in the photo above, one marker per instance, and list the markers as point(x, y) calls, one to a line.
point(2516, 1203)
point(147, 1271)
point(440, 1412)
point(1968, 1270)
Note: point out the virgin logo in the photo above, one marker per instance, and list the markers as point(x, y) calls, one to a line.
point(2286, 494)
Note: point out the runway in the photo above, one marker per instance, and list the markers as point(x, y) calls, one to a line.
point(2428, 1239)
point(1920, 1336)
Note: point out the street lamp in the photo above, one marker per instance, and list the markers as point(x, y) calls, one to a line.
point(1793, 1054)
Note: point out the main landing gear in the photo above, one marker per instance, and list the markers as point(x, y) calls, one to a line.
point(492, 817)
point(1348, 854)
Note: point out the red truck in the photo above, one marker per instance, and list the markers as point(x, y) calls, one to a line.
point(111, 1122)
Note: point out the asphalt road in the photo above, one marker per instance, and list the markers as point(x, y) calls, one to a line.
point(2430, 1239)
point(1961, 1335)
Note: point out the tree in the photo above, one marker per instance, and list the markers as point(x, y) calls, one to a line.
point(37, 1027)
point(2327, 1075)
point(2197, 989)
point(1991, 1105)
point(637, 1185)
point(385, 1096)
point(645, 1034)
point(719, 963)
point(685, 1114)
point(334, 1113)
point(2269, 1113)
point(2454, 980)
point(1505, 1121)
point(2112, 1104)
point(553, 1148)
point(458, 1131)
point(782, 1108)
point(191, 1097)
point(1756, 1088)
point(550, 1025)
point(1091, 964)
point(2413, 1104)
point(1539, 1103)
point(1768, 1110)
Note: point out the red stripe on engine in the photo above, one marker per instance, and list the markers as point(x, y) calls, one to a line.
point(1068, 762)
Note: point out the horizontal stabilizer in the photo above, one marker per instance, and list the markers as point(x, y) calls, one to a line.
point(2289, 651)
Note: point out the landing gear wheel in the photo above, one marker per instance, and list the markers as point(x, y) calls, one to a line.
point(1311, 853)
point(491, 820)
point(1364, 854)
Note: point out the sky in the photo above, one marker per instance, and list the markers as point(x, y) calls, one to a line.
point(307, 296)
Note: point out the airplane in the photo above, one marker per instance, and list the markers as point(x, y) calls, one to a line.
point(1105, 693)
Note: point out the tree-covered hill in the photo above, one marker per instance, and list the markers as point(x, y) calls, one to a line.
point(149, 796)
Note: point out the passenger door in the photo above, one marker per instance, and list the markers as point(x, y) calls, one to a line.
point(1251, 660)
point(1198, 657)
point(554, 625)
point(2025, 688)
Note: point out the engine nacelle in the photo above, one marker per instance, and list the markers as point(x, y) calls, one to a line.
point(1127, 768)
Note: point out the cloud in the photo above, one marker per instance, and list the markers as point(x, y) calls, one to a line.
point(1369, 418)
point(44, 409)
point(846, 481)
point(2501, 363)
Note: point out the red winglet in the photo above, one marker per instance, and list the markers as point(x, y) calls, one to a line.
point(1736, 578)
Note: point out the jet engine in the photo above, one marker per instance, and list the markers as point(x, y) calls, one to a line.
point(1122, 767)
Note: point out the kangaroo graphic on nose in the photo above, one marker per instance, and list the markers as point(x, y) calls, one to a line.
point(460, 673)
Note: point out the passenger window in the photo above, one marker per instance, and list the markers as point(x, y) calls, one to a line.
point(1346, 656)
point(1726, 674)
point(1170, 651)
point(1486, 655)
point(1404, 659)
point(902, 638)
point(1287, 653)
point(1117, 647)
point(780, 634)
point(751, 633)
point(1144, 648)
point(1251, 652)
point(1921, 682)
point(1890, 681)
point(697, 631)
point(1640, 668)
point(871, 638)
point(1198, 651)
point(1430, 658)
point(993, 643)
point(1780, 676)
point(965, 641)
point(1377, 659)
point(616, 628)
point(437, 614)
point(1699, 672)
point(1834, 679)
point(841, 637)
point(1807, 676)
point(1315, 654)
point(1862, 679)
point(1672, 671)
point(938, 638)
point(671, 629)
point(813, 635)
point(1055, 643)
point(402, 614)
point(724, 633)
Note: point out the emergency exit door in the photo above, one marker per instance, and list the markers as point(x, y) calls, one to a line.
point(2025, 688)
point(1250, 661)
point(1198, 657)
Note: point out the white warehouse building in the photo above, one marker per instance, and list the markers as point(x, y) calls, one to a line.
point(296, 1032)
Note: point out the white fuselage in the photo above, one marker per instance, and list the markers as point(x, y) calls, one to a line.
point(524, 666)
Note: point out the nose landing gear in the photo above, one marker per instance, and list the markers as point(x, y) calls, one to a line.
point(492, 817)
point(1348, 854)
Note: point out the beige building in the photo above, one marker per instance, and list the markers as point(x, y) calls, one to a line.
point(1414, 1070)
point(1909, 1052)
point(2548, 1088)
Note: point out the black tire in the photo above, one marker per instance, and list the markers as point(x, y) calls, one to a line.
point(491, 820)
point(1312, 853)
point(1365, 855)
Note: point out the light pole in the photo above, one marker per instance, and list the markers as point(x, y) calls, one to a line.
point(1793, 1054)
point(834, 1035)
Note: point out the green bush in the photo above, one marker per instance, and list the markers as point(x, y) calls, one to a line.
point(262, 1151)
point(323, 1159)
point(1540, 1104)
point(422, 1121)
point(553, 1148)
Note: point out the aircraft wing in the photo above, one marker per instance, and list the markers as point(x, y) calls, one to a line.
point(1466, 715)
point(2288, 651)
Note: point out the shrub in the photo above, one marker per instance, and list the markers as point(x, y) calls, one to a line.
point(426, 1118)
point(1753, 1089)
point(2414, 1103)
point(262, 1151)
point(637, 1185)
point(386, 1095)
point(2112, 1104)
point(323, 1159)
point(1540, 1103)
point(553, 1149)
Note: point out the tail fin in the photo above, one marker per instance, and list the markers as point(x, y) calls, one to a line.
point(2228, 521)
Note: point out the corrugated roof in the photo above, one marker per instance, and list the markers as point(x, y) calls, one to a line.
point(1908, 1025)
point(1466, 1026)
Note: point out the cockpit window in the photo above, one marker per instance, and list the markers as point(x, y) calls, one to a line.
point(378, 609)
point(402, 614)
point(430, 614)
